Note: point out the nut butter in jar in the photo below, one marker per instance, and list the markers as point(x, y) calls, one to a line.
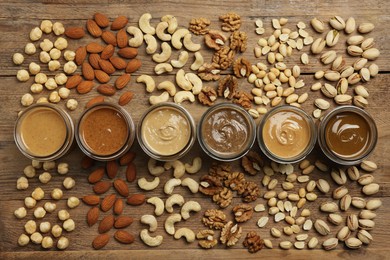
point(105, 132)
point(286, 134)
point(166, 131)
point(347, 135)
point(226, 132)
point(44, 132)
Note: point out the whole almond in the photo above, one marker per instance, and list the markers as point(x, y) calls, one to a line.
point(94, 60)
point(123, 221)
point(106, 89)
point(118, 63)
point(121, 38)
point(73, 81)
point(109, 38)
point(106, 224)
point(100, 241)
point(74, 32)
point(91, 200)
point(87, 71)
point(87, 162)
point(92, 216)
point(125, 98)
point(81, 54)
point(131, 172)
point(124, 237)
point(127, 158)
point(101, 76)
point(93, 28)
point(133, 65)
point(106, 66)
point(95, 100)
point(118, 206)
point(101, 187)
point(136, 199)
point(128, 52)
point(94, 47)
point(121, 187)
point(122, 81)
point(119, 23)
point(108, 202)
point(107, 52)
point(112, 169)
point(101, 20)
point(85, 86)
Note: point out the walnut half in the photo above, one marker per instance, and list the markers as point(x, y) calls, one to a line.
point(215, 39)
point(230, 22)
point(253, 242)
point(242, 68)
point(199, 26)
point(227, 86)
point(210, 185)
point(230, 234)
point(206, 239)
point(243, 212)
point(223, 198)
point(252, 162)
point(214, 218)
point(207, 96)
point(238, 41)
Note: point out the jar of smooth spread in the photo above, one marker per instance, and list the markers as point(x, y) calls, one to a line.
point(347, 135)
point(166, 131)
point(226, 132)
point(105, 132)
point(286, 134)
point(44, 132)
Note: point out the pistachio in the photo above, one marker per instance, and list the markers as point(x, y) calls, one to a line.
point(323, 186)
point(352, 222)
point(367, 44)
point(364, 236)
point(340, 192)
point(329, 207)
point(346, 72)
point(321, 104)
point(365, 74)
point(342, 86)
point(321, 227)
point(360, 101)
point(339, 176)
point(366, 27)
point(366, 179)
point(350, 25)
point(335, 219)
point(285, 245)
point(367, 214)
point(371, 54)
point(307, 225)
point(354, 78)
point(366, 224)
point(355, 40)
point(313, 242)
point(317, 113)
point(338, 64)
point(345, 202)
point(330, 243)
point(374, 69)
point(373, 204)
point(317, 46)
point(371, 189)
point(361, 91)
point(337, 23)
point(328, 57)
point(343, 233)
point(368, 166)
point(360, 63)
point(354, 50)
point(329, 90)
point(332, 37)
point(262, 221)
point(358, 202)
point(353, 243)
point(343, 99)
point(353, 172)
point(317, 25)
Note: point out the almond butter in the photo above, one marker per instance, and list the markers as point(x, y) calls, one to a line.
point(92, 216)
point(93, 28)
point(118, 63)
point(100, 241)
point(125, 98)
point(112, 169)
point(109, 38)
point(128, 52)
point(133, 65)
point(101, 20)
point(101, 76)
point(119, 23)
point(127, 158)
point(118, 206)
point(91, 200)
point(107, 52)
point(94, 47)
point(123, 221)
point(73, 81)
point(122, 81)
point(131, 172)
point(124, 237)
point(121, 187)
point(106, 89)
point(87, 162)
point(95, 100)
point(136, 199)
point(74, 32)
point(93, 59)
point(87, 71)
point(81, 54)
point(96, 175)
point(108, 202)
point(121, 38)
point(101, 187)
point(106, 224)
point(106, 66)
point(85, 86)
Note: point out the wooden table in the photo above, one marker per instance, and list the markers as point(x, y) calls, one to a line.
point(17, 18)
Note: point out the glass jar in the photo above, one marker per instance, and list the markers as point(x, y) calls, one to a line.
point(226, 132)
point(44, 132)
point(347, 135)
point(105, 131)
point(166, 131)
point(286, 134)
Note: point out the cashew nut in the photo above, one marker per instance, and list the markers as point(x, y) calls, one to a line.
point(178, 166)
point(158, 203)
point(196, 82)
point(182, 81)
point(175, 199)
point(150, 241)
point(164, 97)
point(191, 184)
point(168, 86)
point(172, 22)
point(163, 68)
point(170, 185)
point(138, 36)
point(148, 185)
point(185, 232)
point(160, 31)
point(189, 206)
point(149, 82)
point(184, 95)
point(183, 58)
point(199, 61)
point(165, 53)
point(151, 221)
point(189, 45)
point(195, 167)
point(170, 223)
point(144, 24)
point(151, 43)
point(153, 169)
point(177, 36)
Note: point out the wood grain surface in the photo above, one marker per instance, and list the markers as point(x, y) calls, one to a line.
point(18, 17)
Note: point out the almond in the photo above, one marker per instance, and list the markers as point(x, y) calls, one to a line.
point(118, 63)
point(91, 200)
point(96, 175)
point(101, 76)
point(112, 169)
point(101, 187)
point(125, 98)
point(95, 100)
point(136, 199)
point(133, 65)
point(108, 202)
point(94, 47)
point(106, 224)
point(128, 52)
point(94, 60)
point(100, 241)
point(107, 52)
point(87, 162)
point(92, 216)
point(118, 206)
point(122, 81)
point(75, 32)
point(123, 221)
point(121, 38)
point(87, 71)
point(106, 89)
point(106, 66)
point(93, 28)
point(85, 86)
point(101, 20)
point(131, 172)
point(124, 237)
point(121, 187)
point(73, 81)
point(81, 54)
point(109, 38)
point(127, 158)
point(119, 23)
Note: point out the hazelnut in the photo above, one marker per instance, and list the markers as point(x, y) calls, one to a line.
point(42, 100)
point(69, 225)
point(30, 227)
point(56, 231)
point(40, 78)
point(46, 45)
point(44, 177)
point(36, 164)
point(54, 97)
point(34, 68)
point(58, 28)
point(22, 75)
point(38, 193)
point(68, 183)
point(46, 26)
point(44, 57)
point(20, 212)
point(30, 48)
point(69, 55)
point(63, 214)
point(71, 104)
point(22, 183)
point(36, 88)
point(73, 202)
point(30, 202)
point(47, 242)
point(17, 58)
point(35, 34)
point(39, 212)
point(23, 240)
point(55, 54)
point(61, 43)
point(54, 65)
point(27, 99)
point(61, 79)
point(29, 171)
point(51, 84)
point(62, 243)
point(47, 166)
point(63, 168)
point(45, 227)
point(70, 67)
point(50, 207)
point(56, 194)
point(36, 238)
